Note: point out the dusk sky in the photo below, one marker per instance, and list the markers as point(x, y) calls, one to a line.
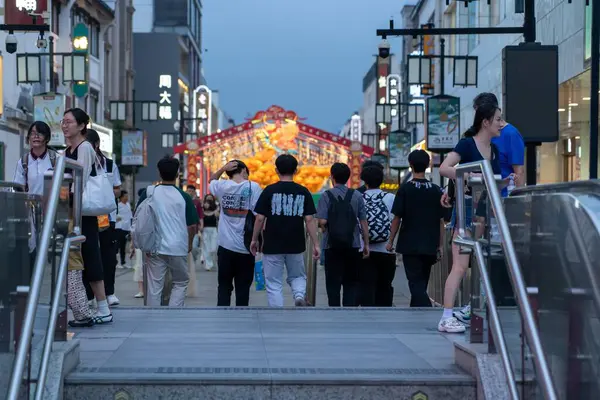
point(304, 55)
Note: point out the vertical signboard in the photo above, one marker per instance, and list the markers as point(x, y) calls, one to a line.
point(428, 50)
point(17, 12)
point(443, 123)
point(355, 161)
point(356, 128)
point(165, 107)
point(192, 170)
point(50, 109)
point(133, 148)
point(202, 111)
point(400, 144)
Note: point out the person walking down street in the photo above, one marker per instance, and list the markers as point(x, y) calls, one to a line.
point(476, 146)
point(237, 196)
point(377, 272)
point(342, 216)
point(367, 164)
point(419, 215)
point(123, 226)
point(74, 127)
point(177, 218)
point(31, 168)
point(210, 243)
point(282, 210)
point(106, 225)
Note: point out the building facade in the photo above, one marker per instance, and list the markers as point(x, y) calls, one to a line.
point(561, 23)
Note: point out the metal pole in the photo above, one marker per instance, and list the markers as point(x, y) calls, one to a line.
point(529, 35)
point(133, 122)
point(442, 89)
point(594, 87)
point(181, 140)
point(51, 62)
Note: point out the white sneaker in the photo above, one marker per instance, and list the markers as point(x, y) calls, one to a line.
point(451, 325)
point(112, 300)
point(139, 295)
point(463, 315)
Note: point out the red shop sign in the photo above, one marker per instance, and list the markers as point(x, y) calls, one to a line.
point(15, 12)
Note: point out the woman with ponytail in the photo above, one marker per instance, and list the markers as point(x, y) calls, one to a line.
point(476, 145)
point(74, 127)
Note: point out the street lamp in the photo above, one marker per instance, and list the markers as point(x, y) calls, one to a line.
point(419, 70)
point(465, 71)
point(75, 68)
point(29, 68)
point(118, 110)
point(384, 113)
point(415, 113)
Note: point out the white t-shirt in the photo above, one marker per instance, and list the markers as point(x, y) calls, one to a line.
point(115, 177)
point(235, 201)
point(126, 216)
point(174, 211)
point(388, 200)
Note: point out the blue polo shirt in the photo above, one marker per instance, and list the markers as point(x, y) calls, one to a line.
point(512, 150)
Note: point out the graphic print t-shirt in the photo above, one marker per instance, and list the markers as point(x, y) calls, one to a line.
point(235, 200)
point(285, 204)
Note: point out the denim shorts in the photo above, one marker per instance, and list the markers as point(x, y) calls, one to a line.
point(468, 213)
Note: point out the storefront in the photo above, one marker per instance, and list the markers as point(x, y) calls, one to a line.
point(568, 159)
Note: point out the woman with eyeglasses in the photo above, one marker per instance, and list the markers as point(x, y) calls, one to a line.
point(74, 127)
point(31, 168)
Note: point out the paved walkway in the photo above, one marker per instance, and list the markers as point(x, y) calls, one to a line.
point(206, 285)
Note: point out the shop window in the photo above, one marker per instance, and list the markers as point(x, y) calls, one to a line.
point(95, 39)
point(94, 102)
point(572, 159)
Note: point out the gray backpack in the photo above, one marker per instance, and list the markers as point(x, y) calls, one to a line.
point(144, 230)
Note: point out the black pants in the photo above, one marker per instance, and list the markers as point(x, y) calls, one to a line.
point(418, 269)
point(235, 270)
point(376, 276)
point(121, 237)
point(109, 261)
point(341, 269)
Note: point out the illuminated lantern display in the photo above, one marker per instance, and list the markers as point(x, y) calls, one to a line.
point(270, 133)
point(192, 170)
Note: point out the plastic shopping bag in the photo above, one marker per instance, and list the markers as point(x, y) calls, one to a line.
point(259, 276)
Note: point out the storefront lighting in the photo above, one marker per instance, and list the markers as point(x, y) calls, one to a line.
point(382, 145)
point(465, 71)
point(573, 104)
point(29, 68)
point(80, 43)
point(586, 99)
point(561, 110)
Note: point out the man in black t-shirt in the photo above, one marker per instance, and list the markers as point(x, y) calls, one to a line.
point(417, 206)
point(282, 210)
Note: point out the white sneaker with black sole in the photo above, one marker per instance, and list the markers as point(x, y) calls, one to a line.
point(112, 300)
point(463, 315)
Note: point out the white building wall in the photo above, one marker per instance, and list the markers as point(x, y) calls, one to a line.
point(143, 18)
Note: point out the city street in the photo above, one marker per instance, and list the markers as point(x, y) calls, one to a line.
point(206, 283)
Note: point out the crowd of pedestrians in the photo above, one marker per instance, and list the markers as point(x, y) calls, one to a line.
point(238, 222)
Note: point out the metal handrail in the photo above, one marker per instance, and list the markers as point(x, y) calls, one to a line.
point(41, 261)
point(62, 272)
point(494, 317)
point(514, 269)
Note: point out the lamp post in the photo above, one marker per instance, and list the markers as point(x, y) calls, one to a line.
point(118, 113)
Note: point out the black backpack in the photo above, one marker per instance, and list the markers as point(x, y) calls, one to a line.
point(341, 221)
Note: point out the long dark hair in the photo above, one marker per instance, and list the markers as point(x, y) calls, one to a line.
point(93, 137)
point(210, 199)
point(484, 112)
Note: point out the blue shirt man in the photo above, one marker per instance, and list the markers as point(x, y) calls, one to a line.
point(512, 154)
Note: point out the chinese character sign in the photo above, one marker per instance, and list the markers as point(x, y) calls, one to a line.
point(356, 128)
point(202, 111)
point(443, 122)
point(165, 108)
point(18, 11)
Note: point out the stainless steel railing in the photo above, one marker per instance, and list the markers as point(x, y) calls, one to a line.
point(38, 272)
point(515, 274)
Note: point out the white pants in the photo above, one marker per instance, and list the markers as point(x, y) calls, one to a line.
point(210, 247)
point(296, 276)
point(156, 269)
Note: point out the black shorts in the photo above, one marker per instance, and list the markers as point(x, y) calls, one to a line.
point(90, 250)
point(481, 210)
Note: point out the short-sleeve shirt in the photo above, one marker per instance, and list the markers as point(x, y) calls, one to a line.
point(199, 209)
point(511, 148)
point(115, 177)
point(417, 203)
point(174, 211)
point(236, 199)
point(468, 152)
point(285, 204)
point(358, 205)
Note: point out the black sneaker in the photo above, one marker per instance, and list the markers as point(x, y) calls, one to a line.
point(82, 323)
point(103, 319)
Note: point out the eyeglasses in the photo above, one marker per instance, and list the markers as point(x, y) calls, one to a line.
point(36, 134)
point(67, 122)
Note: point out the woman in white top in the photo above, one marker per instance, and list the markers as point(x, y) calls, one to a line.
point(31, 168)
point(74, 127)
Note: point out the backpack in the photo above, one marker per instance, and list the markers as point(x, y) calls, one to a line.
point(341, 221)
point(378, 218)
point(25, 165)
point(144, 229)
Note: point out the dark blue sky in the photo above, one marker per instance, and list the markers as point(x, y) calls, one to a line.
point(305, 55)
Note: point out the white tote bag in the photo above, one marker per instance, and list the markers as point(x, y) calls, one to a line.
point(98, 196)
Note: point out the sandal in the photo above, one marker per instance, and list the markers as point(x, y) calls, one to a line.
point(82, 323)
